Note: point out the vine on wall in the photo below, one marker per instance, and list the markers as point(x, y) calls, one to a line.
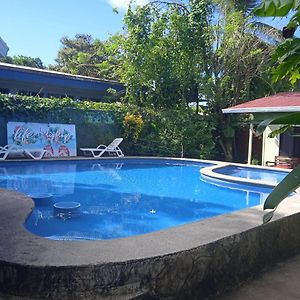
point(146, 131)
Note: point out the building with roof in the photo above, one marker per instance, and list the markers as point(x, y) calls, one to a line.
point(278, 103)
point(277, 106)
point(3, 48)
point(15, 79)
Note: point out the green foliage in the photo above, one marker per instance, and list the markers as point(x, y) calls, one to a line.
point(180, 54)
point(276, 8)
point(288, 185)
point(133, 125)
point(288, 62)
point(238, 62)
point(41, 106)
point(147, 132)
point(287, 55)
point(175, 133)
point(24, 61)
point(255, 162)
point(279, 131)
point(292, 181)
point(163, 55)
point(84, 55)
point(111, 96)
point(245, 5)
point(239, 57)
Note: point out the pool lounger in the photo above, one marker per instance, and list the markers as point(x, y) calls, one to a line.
point(14, 149)
point(112, 149)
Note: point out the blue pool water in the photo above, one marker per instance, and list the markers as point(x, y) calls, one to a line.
point(121, 198)
point(251, 173)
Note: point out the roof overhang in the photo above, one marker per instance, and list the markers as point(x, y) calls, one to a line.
point(261, 110)
point(44, 72)
point(284, 102)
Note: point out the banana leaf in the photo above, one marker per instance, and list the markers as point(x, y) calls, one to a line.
point(277, 118)
point(288, 185)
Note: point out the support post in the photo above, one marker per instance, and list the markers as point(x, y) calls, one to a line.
point(250, 144)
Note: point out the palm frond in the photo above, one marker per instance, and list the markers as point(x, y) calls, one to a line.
point(267, 32)
point(245, 6)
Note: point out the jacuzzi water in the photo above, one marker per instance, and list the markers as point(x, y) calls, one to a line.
point(121, 198)
point(271, 176)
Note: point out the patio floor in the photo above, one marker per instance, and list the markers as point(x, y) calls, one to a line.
point(278, 282)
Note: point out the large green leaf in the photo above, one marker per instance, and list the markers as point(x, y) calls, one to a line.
point(272, 34)
point(287, 58)
point(288, 119)
point(291, 119)
point(287, 55)
point(288, 185)
point(263, 125)
point(278, 131)
point(292, 181)
point(274, 8)
point(276, 119)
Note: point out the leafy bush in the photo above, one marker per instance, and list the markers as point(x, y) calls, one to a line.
point(175, 133)
point(133, 125)
point(147, 131)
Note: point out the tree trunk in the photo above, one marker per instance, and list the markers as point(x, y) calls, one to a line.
point(226, 145)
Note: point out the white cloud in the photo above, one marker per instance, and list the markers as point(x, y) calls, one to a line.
point(124, 3)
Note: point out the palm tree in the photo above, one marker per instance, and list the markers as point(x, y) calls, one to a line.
point(263, 31)
point(245, 5)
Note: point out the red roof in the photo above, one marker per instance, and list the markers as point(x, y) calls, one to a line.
point(281, 102)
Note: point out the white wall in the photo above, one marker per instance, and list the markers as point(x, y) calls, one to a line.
point(270, 146)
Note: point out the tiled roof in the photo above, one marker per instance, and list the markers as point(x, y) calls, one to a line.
point(281, 102)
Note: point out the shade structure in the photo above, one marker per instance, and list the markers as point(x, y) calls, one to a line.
point(281, 108)
point(278, 103)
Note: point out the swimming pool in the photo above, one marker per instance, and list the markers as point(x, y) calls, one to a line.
point(121, 198)
point(180, 262)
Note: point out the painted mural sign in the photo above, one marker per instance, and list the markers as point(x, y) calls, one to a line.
point(56, 139)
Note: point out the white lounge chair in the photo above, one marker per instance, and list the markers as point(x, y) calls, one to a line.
point(112, 149)
point(17, 150)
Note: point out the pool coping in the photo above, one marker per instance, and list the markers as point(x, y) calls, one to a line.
point(20, 249)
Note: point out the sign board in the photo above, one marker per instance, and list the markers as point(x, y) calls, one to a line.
point(56, 139)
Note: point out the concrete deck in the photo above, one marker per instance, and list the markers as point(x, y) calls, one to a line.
point(277, 282)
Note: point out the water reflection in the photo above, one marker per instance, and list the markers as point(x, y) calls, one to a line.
point(123, 198)
point(35, 178)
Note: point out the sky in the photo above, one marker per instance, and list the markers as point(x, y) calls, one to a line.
point(34, 27)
